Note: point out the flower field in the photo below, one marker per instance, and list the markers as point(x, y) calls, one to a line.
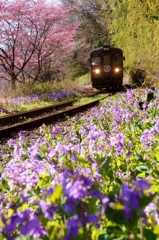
point(98, 180)
point(22, 103)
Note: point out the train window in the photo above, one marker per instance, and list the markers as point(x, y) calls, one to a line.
point(96, 61)
point(117, 59)
point(106, 59)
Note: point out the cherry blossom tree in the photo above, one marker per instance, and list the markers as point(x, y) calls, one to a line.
point(35, 35)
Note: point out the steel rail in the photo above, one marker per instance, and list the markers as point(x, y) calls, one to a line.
point(8, 131)
point(10, 117)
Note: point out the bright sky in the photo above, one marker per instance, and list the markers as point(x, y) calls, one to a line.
point(54, 1)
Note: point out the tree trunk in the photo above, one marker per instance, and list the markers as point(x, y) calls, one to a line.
point(13, 81)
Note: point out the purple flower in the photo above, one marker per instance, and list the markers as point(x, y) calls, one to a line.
point(72, 232)
point(120, 145)
point(131, 198)
point(133, 201)
point(142, 184)
point(33, 228)
point(56, 130)
point(11, 142)
point(70, 204)
point(105, 202)
point(127, 213)
point(91, 218)
point(125, 191)
point(73, 225)
point(96, 194)
point(24, 198)
point(128, 153)
point(14, 220)
point(74, 222)
point(47, 209)
point(90, 158)
point(77, 188)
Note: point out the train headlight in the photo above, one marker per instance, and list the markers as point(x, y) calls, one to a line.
point(117, 69)
point(97, 70)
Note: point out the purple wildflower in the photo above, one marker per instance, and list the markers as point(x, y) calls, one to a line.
point(142, 184)
point(127, 213)
point(91, 218)
point(131, 198)
point(105, 202)
point(47, 209)
point(76, 189)
point(96, 194)
point(33, 228)
point(14, 220)
point(70, 204)
point(73, 225)
point(11, 142)
point(24, 198)
point(152, 210)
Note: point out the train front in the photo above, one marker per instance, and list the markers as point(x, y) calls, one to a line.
point(106, 67)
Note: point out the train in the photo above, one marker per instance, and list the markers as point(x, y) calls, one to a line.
point(106, 67)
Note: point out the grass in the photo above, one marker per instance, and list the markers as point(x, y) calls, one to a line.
point(85, 100)
point(83, 80)
point(8, 101)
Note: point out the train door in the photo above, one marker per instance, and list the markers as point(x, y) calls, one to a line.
point(106, 62)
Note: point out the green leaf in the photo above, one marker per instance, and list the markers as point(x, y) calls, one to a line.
point(155, 189)
point(139, 157)
point(39, 157)
point(1, 223)
point(142, 168)
point(26, 238)
point(149, 235)
point(56, 194)
point(5, 186)
point(157, 156)
point(44, 181)
point(117, 206)
point(115, 229)
point(118, 181)
point(79, 136)
point(84, 160)
point(146, 200)
point(103, 236)
point(105, 166)
point(156, 230)
point(62, 159)
point(92, 205)
point(115, 216)
point(44, 148)
point(141, 175)
point(100, 157)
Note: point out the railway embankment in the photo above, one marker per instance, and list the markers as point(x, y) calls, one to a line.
point(104, 160)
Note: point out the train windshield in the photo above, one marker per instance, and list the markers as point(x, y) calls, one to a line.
point(118, 59)
point(106, 59)
point(96, 61)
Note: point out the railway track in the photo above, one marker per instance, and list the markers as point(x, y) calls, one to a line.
point(14, 117)
point(52, 117)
